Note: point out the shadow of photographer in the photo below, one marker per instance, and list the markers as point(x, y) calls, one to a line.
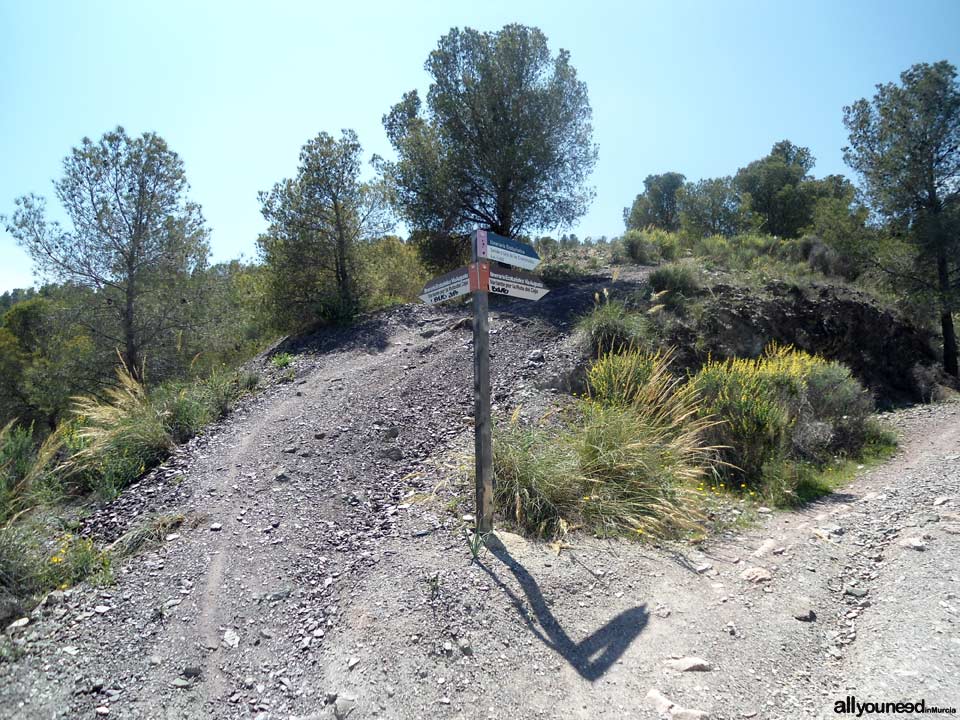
point(593, 655)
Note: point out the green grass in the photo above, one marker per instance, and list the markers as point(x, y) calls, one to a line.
point(32, 563)
point(620, 468)
point(281, 360)
point(610, 326)
point(677, 278)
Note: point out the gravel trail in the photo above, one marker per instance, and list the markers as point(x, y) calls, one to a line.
point(310, 581)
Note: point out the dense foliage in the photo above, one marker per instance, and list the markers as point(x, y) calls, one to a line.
point(905, 143)
point(318, 222)
point(503, 141)
point(136, 246)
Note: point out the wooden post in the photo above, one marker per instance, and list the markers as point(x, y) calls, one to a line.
point(481, 406)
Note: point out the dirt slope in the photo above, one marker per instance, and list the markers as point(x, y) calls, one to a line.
point(312, 584)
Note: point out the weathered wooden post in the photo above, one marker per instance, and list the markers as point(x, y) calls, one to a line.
point(480, 279)
point(483, 442)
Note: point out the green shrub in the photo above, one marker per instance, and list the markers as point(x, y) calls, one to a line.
point(31, 566)
point(649, 246)
point(393, 272)
point(666, 244)
point(639, 248)
point(781, 411)
point(835, 398)
point(558, 271)
point(611, 327)
point(186, 411)
point(754, 427)
point(17, 458)
point(618, 252)
point(678, 278)
point(281, 360)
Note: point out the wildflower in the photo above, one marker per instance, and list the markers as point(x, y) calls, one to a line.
point(55, 560)
point(639, 531)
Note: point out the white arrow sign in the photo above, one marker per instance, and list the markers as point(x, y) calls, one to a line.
point(447, 286)
point(516, 283)
point(506, 250)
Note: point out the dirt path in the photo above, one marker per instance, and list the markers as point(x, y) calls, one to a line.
point(312, 584)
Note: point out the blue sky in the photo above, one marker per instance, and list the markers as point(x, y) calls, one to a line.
point(237, 87)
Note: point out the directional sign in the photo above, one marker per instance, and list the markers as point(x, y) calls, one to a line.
point(481, 278)
point(447, 286)
point(506, 250)
point(516, 283)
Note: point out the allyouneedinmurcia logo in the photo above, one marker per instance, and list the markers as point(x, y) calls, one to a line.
point(850, 706)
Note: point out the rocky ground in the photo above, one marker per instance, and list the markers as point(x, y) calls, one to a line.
point(314, 577)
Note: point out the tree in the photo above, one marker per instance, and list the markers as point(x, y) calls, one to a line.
point(12, 297)
point(136, 240)
point(504, 142)
point(317, 221)
point(45, 359)
point(781, 191)
point(711, 207)
point(657, 205)
point(905, 144)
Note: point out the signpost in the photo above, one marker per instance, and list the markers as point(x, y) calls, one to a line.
point(481, 277)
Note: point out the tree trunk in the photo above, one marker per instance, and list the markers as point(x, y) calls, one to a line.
point(946, 317)
point(131, 353)
point(345, 292)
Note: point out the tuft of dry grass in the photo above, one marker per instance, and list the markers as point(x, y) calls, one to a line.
point(625, 462)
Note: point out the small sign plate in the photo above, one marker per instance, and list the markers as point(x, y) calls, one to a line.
point(516, 283)
point(447, 286)
point(506, 250)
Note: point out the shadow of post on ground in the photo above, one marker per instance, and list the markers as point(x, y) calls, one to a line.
point(593, 655)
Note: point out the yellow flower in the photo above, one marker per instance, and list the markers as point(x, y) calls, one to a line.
point(64, 586)
point(586, 497)
point(56, 559)
point(639, 531)
point(752, 492)
point(743, 485)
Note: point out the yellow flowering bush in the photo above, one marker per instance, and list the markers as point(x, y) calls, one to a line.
point(785, 406)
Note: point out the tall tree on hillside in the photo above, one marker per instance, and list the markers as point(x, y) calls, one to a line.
point(136, 240)
point(504, 142)
point(905, 143)
point(779, 189)
point(657, 204)
point(711, 207)
point(317, 221)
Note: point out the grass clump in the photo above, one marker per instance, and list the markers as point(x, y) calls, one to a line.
point(674, 285)
point(650, 246)
point(681, 278)
point(610, 326)
point(624, 462)
point(115, 439)
point(281, 360)
point(31, 567)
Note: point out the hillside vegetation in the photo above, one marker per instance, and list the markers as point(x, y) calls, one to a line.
point(781, 307)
